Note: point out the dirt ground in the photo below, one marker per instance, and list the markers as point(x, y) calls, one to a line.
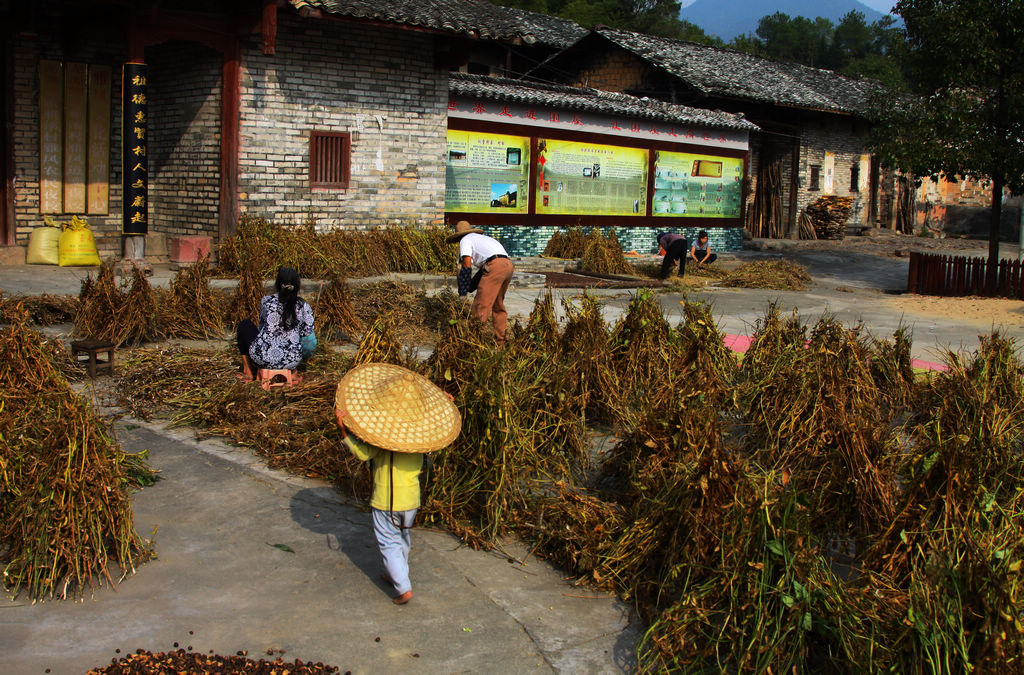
point(983, 312)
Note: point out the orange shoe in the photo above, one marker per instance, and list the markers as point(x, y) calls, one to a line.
point(403, 598)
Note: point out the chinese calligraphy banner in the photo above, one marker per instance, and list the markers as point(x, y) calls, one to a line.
point(135, 174)
point(590, 179)
point(98, 171)
point(76, 88)
point(486, 173)
point(697, 186)
point(51, 132)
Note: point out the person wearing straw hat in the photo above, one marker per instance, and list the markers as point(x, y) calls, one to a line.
point(389, 416)
point(495, 273)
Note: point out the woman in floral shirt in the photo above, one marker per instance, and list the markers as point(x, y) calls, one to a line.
point(285, 334)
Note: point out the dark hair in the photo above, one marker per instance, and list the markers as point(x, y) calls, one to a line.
point(702, 234)
point(658, 237)
point(287, 285)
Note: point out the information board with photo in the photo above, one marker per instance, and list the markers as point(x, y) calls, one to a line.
point(697, 186)
point(487, 173)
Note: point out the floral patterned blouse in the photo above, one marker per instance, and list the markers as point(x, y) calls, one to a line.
point(274, 347)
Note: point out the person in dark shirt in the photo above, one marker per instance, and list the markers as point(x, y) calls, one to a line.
point(674, 248)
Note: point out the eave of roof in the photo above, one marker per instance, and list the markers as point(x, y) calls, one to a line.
point(715, 71)
point(468, 18)
point(591, 100)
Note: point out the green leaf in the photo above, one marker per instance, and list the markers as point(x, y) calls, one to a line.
point(787, 600)
point(805, 622)
point(282, 547)
point(448, 374)
point(776, 547)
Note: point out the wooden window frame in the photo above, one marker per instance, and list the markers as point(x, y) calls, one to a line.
point(329, 167)
point(814, 181)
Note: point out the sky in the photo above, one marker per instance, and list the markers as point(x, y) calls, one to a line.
point(882, 6)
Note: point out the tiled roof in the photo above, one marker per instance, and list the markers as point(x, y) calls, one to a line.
point(472, 18)
point(548, 30)
point(715, 71)
point(591, 100)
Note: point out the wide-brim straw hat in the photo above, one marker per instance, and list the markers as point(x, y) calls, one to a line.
point(396, 409)
point(462, 228)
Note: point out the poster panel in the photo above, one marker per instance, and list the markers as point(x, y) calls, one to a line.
point(486, 173)
point(697, 186)
point(76, 90)
point(590, 179)
point(51, 137)
point(98, 195)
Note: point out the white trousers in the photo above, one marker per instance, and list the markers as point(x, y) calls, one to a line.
point(394, 543)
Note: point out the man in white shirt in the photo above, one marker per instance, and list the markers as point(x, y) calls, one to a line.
point(487, 254)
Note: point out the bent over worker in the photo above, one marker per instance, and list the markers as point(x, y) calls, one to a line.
point(495, 273)
point(394, 416)
point(673, 247)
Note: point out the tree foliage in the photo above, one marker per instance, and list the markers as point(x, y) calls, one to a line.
point(852, 46)
point(966, 61)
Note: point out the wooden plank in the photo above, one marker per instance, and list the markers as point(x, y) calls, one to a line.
point(98, 172)
point(76, 97)
point(51, 135)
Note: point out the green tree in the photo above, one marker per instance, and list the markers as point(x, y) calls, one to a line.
point(966, 63)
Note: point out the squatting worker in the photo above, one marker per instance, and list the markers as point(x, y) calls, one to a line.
point(700, 251)
point(486, 253)
point(390, 416)
point(674, 248)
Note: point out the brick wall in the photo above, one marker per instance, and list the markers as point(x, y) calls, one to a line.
point(27, 51)
point(377, 84)
point(615, 70)
point(846, 139)
point(184, 138)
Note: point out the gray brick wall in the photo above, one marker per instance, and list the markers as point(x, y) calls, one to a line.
point(375, 83)
point(846, 139)
point(184, 138)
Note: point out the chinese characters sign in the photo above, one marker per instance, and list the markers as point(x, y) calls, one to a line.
point(134, 149)
point(698, 186)
point(486, 173)
point(590, 179)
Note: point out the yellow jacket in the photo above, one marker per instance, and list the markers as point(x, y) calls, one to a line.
point(403, 467)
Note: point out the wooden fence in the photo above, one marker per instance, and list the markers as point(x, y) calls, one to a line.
point(948, 275)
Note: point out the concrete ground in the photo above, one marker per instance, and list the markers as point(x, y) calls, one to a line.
point(222, 583)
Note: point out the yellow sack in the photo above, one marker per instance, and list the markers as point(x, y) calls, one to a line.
point(43, 244)
point(77, 245)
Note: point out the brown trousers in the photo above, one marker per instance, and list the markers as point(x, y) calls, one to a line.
point(490, 295)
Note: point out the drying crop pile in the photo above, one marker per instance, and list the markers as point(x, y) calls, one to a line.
point(43, 310)
point(65, 516)
point(569, 244)
point(120, 313)
point(810, 507)
point(263, 247)
point(190, 309)
point(603, 255)
point(778, 274)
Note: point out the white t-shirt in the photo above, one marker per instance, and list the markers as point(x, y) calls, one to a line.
point(479, 247)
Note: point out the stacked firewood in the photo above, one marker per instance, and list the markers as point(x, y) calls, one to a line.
point(829, 216)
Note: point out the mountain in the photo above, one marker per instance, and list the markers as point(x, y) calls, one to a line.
point(742, 15)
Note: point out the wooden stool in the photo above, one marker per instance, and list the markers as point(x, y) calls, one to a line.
point(92, 349)
point(266, 378)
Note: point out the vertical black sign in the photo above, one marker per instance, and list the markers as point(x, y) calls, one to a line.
point(135, 166)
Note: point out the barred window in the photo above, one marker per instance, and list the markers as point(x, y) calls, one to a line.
point(329, 156)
